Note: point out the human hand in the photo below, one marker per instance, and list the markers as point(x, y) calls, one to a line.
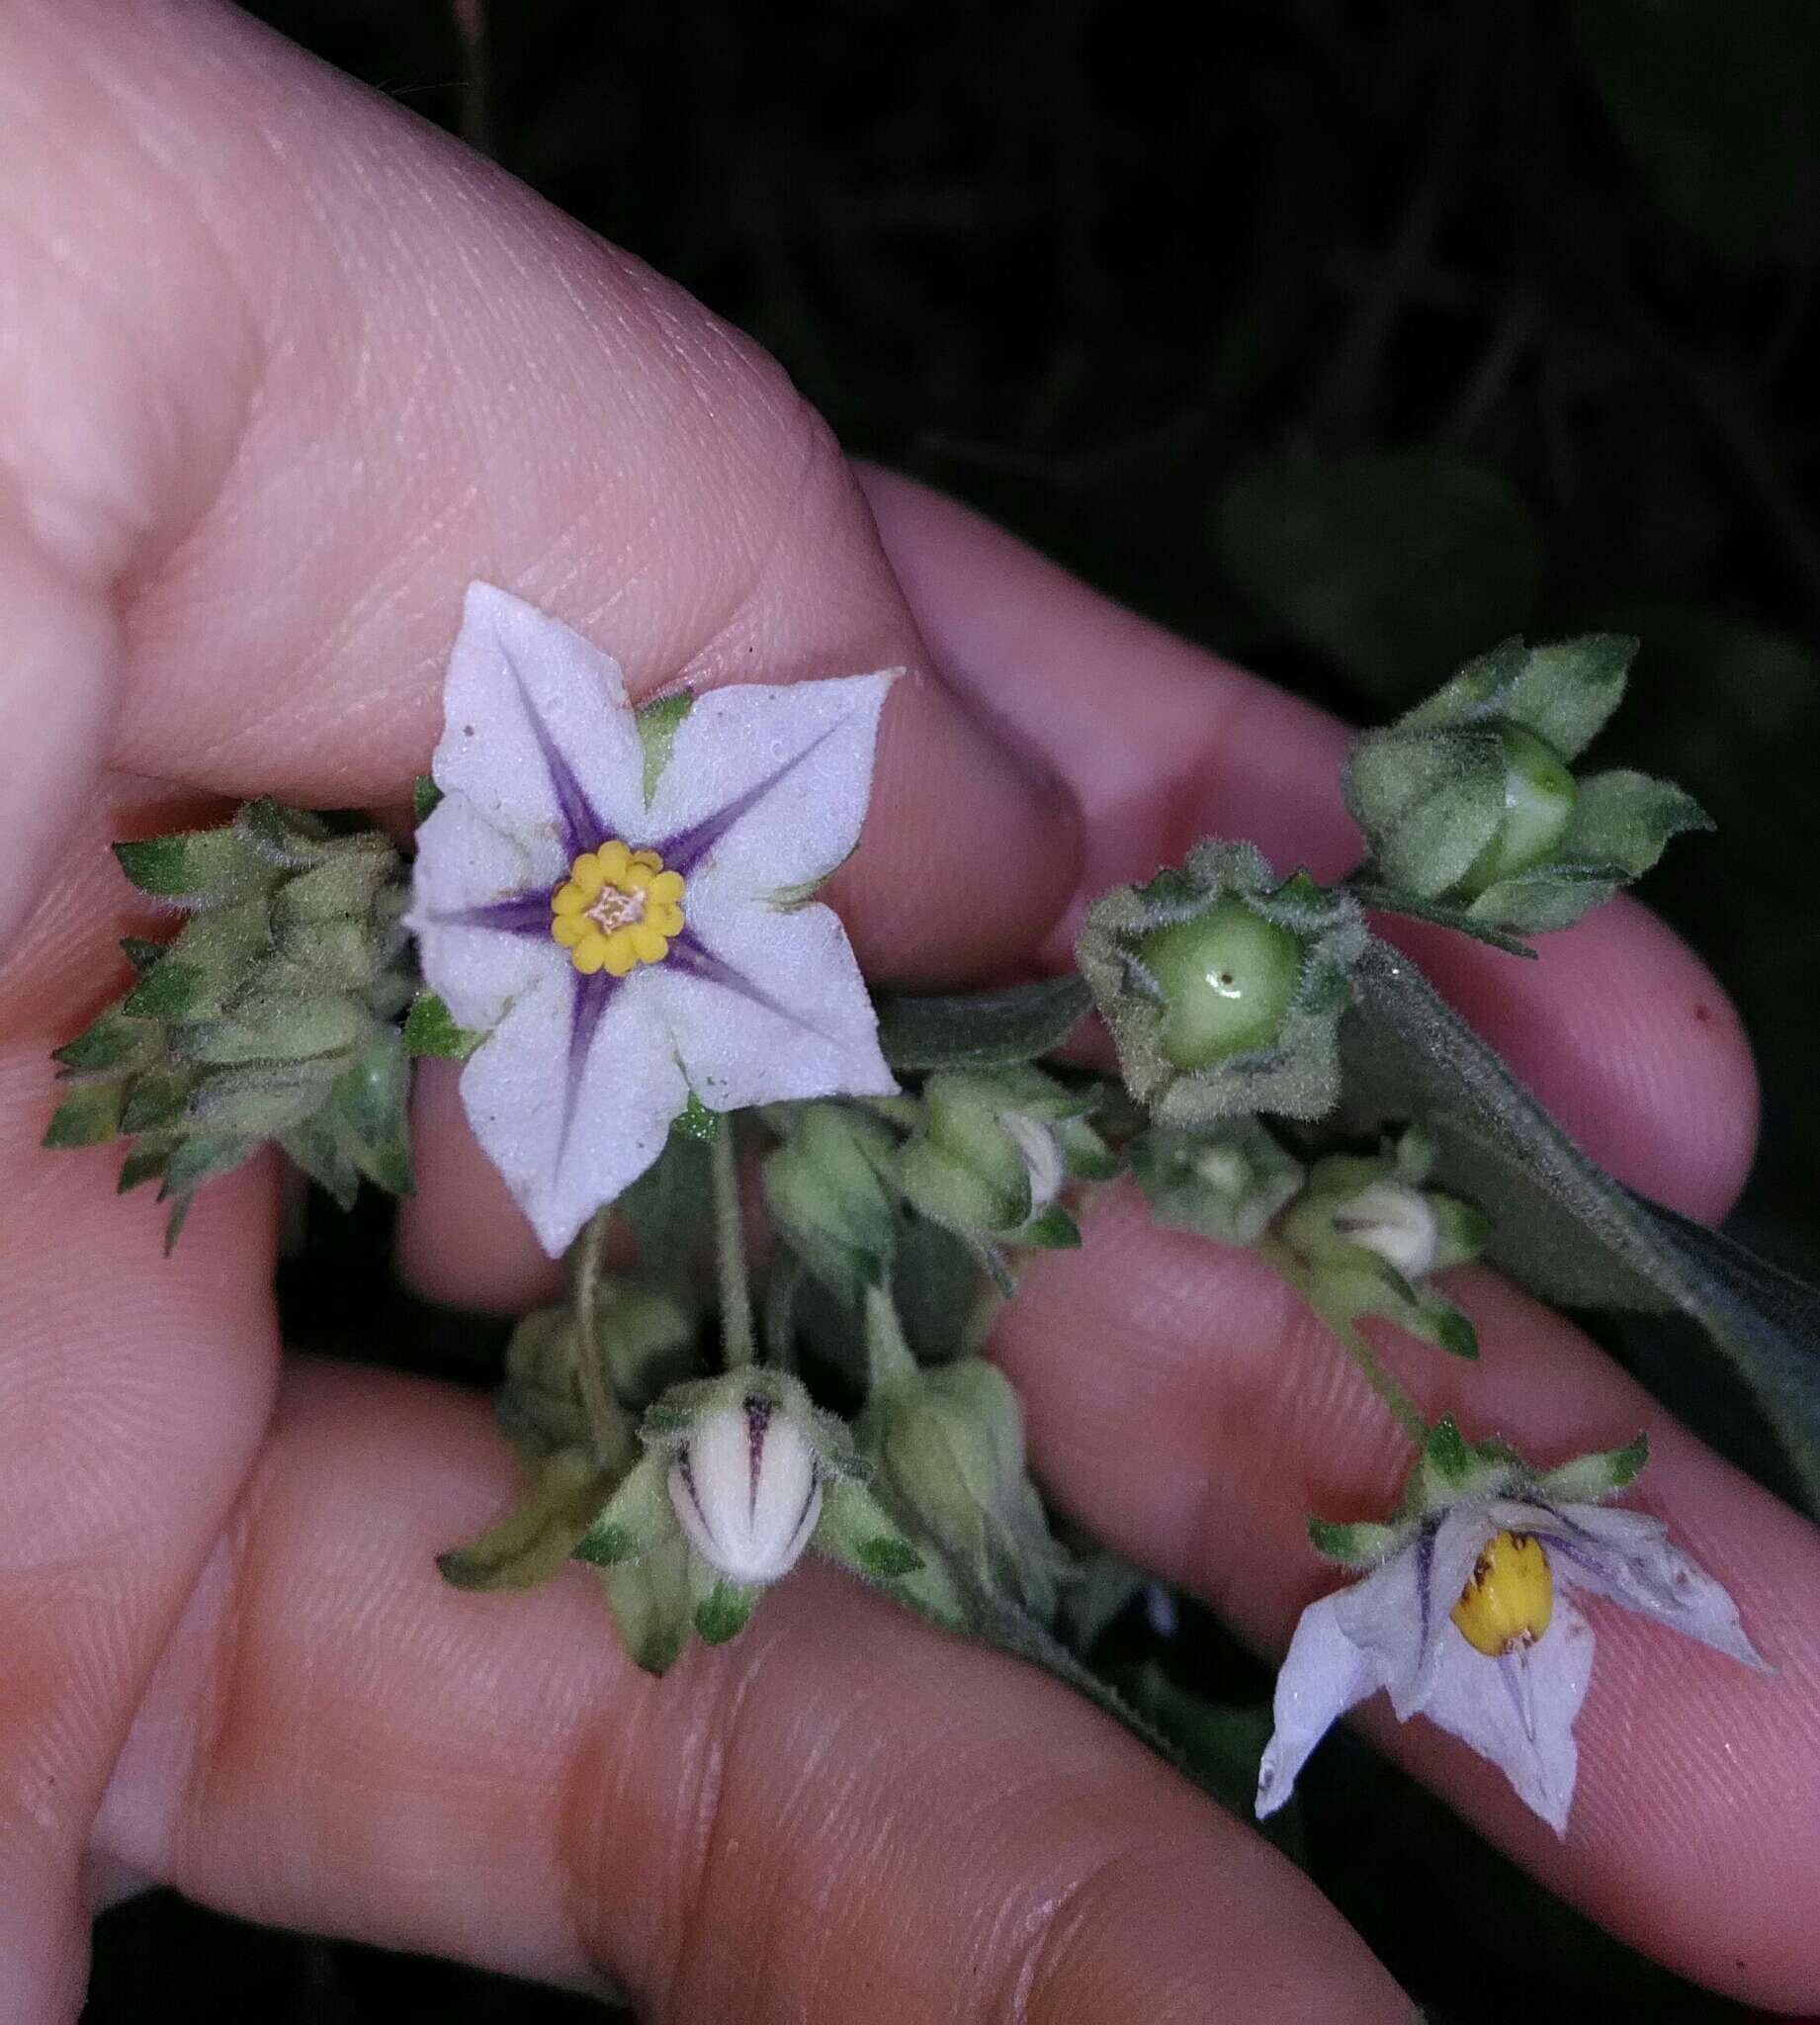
point(285, 371)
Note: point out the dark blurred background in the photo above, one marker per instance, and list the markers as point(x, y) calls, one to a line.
point(1345, 338)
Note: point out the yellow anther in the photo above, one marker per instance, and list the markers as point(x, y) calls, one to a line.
point(1509, 1597)
point(617, 909)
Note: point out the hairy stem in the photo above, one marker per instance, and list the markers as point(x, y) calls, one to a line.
point(1401, 1408)
point(608, 1423)
point(730, 1251)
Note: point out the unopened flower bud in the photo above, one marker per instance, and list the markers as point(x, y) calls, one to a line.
point(1397, 1222)
point(746, 1490)
point(1539, 794)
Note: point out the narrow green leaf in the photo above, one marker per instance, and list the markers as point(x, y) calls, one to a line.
point(981, 1030)
point(533, 1541)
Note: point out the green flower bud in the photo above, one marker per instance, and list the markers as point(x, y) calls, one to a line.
point(267, 1020)
point(1224, 988)
point(1226, 1182)
point(1368, 1233)
point(826, 1187)
point(1538, 802)
point(992, 1150)
point(1467, 803)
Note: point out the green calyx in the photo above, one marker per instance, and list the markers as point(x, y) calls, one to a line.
point(1224, 986)
point(1451, 1470)
point(270, 1018)
point(1225, 1182)
point(1469, 806)
point(990, 1153)
point(1366, 1233)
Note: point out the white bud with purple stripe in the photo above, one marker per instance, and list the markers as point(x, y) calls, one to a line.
point(746, 1488)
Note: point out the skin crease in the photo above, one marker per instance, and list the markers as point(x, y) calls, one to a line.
point(284, 370)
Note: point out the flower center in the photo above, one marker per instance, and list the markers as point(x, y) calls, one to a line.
point(1509, 1597)
point(617, 909)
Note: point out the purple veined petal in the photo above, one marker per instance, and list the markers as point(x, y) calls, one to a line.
point(746, 1492)
point(766, 786)
point(1385, 1614)
point(537, 735)
point(1527, 1731)
point(1628, 1557)
point(765, 1005)
point(571, 1095)
point(1323, 1675)
point(1457, 1543)
point(483, 975)
point(466, 865)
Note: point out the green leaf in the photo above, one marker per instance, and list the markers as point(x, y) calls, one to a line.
point(90, 1115)
point(1564, 1227)
point(980, 1030)
point(659, 721)
point(1397, 564)
point(534, 1540)
point(425, 795)
point(430, 1029)
point(1715, 99)
point(195, 868)
point(670, 1209)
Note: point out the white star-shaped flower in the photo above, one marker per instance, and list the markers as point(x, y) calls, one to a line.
point(1466, 1619)
point(616, 899)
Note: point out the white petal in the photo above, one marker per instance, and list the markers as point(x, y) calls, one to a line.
point(1472, 1697)
point(1387, 1616)
point(747, 1497)
point(1627, 1557)
point(536, 727)
point(464, 861)
point(1323, 1675)
point(790, 765)
point(774, 1009)
point(571, 1129)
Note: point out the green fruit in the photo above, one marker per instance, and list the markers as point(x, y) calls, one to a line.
point(1229, 978)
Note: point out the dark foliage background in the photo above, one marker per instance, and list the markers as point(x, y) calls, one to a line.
point(1344, 337)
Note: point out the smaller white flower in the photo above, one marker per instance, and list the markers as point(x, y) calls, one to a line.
point(1467, 1614)
point(617, 901)
point(1398, 1223)
point(746, 1490)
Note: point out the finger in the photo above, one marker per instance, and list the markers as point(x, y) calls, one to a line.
point(1617, 1028)
point(1188, 1409)
point(843, 1815)
point(133, 1391)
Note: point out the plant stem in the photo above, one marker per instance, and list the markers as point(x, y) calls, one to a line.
point(1386, 900)
point(1402, 1409)
point(730, 1251)
point(607, 1420)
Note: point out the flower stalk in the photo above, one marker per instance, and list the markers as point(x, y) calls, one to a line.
point(737, 1335)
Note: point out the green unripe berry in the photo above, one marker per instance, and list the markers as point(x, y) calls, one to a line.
point(1539, 801)
point(1228, 977)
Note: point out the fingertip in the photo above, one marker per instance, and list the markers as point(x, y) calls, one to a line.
point(58, 683)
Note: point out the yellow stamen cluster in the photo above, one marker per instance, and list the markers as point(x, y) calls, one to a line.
point(1509, 1597)
point(617, 909)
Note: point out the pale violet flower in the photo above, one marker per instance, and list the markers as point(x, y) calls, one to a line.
point(746, 1490)
point(616, 899)
point(1467, 1616)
